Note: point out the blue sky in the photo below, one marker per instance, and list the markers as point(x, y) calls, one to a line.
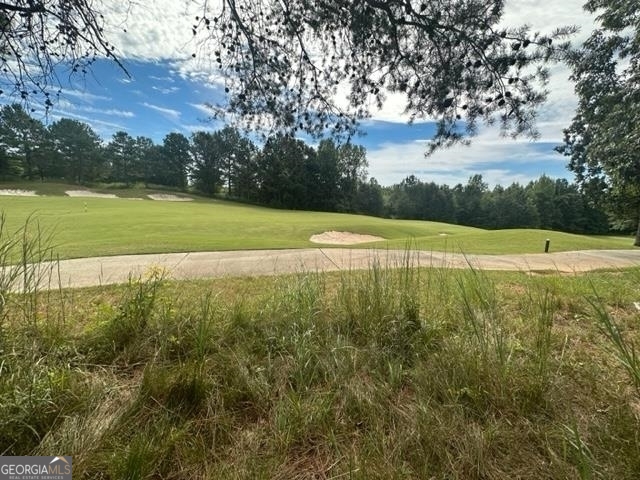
point(168, 92)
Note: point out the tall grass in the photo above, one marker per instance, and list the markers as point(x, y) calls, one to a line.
point(624, 348)
point(383, 373)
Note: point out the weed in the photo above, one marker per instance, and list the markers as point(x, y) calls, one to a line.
point(624, 348)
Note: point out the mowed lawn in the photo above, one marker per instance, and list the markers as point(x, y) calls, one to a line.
point(93, 226)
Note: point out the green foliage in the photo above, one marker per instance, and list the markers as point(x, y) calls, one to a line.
point(125, 325)
point(76, 151)
point(24, 139)
point(126, 156)
point(176, 155)
point(625, 349)
point(602, 138)
point(543, 203)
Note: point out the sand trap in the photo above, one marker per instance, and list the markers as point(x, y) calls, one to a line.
point(89, 193)
point(169, 198)
point(343, 238)
point(18, 193)
point(443, 234)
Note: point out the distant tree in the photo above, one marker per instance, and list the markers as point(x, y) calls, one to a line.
point(369, 199)
point(206, 170)
point(328, 188)
point(6, 167)
point(24, 140)
point(176, 151)
point(122, 155)
point(542, 193)
point(510, 207)
point(352, 171)
point(469, 201)
point(78, 151)
point(245, 178)
point(143, 147)
point(403, 201)
point(157, 170)
point(603, 140)
point(413, 199)
point(238, 154)
point(282, 174)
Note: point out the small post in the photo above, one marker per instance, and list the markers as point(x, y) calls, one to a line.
point(546, 246)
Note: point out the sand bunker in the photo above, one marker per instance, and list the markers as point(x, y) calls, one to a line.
point(343, 238)
point(18, 193)
point(89, 193)
point(169, 198)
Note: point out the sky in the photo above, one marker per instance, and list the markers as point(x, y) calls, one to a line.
point(167, 91)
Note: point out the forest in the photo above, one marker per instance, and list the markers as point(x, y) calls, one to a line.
point(284, 172)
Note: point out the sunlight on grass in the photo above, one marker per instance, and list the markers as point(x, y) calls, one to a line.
point(94, 226)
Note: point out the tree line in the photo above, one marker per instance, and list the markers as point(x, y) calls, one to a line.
point(554, 204)
point(285, 173)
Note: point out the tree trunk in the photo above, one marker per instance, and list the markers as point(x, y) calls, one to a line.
point(637, 242)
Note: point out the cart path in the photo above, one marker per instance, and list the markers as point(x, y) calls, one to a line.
point(94, 271)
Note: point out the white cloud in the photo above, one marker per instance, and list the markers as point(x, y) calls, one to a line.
point(155, 30)
point(167, 112)
point(111, 112)
point(392, 162)
point(547, 15)
point(200, 127)
point(203, 108)
point(99, 126)
point(165, 91)
point(84, 96)
point(162, 79)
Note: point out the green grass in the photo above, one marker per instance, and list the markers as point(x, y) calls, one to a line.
point(121, 226)
point(403, 373)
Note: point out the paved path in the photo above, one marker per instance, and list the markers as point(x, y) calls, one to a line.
point(84, 272)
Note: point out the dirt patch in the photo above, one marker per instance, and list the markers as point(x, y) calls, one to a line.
point(166, 197)
point(343, 238)
point(89, 193)
point(18, 193)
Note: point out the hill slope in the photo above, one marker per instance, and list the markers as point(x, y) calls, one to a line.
point(97, 226)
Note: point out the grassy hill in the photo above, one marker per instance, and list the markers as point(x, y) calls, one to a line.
point(97, 226)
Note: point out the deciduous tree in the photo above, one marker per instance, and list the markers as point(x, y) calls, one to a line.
point(603, 140)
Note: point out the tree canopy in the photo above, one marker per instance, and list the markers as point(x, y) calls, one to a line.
point(603, 140)
point(319, 66)
point(287, 63)
point(37, 36)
